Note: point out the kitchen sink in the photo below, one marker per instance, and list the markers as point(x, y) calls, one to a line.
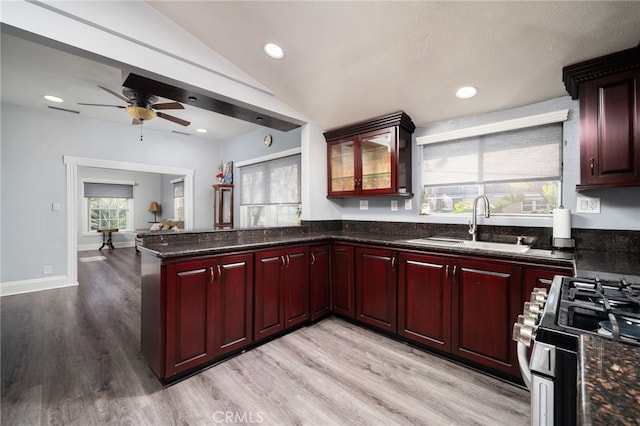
point(476, 245)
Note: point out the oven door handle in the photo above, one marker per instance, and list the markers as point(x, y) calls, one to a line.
point(524, 364)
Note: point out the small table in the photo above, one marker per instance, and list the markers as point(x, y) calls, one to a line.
point(106, 238)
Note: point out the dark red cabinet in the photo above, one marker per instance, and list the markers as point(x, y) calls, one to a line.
point(208, 310)
point(342, 280)
point(376, 287)
point(370, 158)
point(539, 277)
point(319, 281)
point(486, 303)
point(609, 91)
point(281, 292)
point(424, 299)
point(610, 133)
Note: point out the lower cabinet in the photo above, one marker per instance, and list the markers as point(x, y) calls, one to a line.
point(343, 299)
point(208, 310)
point(319, 281)
point(538, 277)
point(424, 299)
point(281, 291)
point(376, 282)
point(486, 301)
point(197, 310)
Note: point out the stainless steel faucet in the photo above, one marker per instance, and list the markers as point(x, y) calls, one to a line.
point(473, 227)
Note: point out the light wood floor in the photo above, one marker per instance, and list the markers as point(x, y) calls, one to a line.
point(72, 356)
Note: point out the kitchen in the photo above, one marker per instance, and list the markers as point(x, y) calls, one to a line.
point(618, 204)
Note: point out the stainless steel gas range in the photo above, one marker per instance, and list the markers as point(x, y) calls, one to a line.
point(553, 322)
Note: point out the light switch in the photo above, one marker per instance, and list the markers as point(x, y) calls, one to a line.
point(408, 205)
point(55, 207)
point(394, 205)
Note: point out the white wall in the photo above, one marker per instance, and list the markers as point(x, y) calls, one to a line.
point(620, 206)
point(33, 144)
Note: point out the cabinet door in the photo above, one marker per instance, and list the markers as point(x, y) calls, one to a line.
point(486, 302)
point(296, 286)
point(189, 324)
point(541, 278)
point(610, 130)
point(341, 157)
point(424, 299)
point(376, 287)
point(342, 281)
point(268, 294)
point(233, 303)
point(377, 162)
point(319, 281)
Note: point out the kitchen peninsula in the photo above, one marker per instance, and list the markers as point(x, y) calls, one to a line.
point(209, 294)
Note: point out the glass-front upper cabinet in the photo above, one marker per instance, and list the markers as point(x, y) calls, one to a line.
point(371, 158)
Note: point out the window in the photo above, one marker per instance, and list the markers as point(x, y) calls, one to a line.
point(108, 206)
point(178, 200)
point(519, 171)
point(270, 192)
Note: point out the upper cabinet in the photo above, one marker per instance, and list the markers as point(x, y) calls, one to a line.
point(371, 157)
point(609, 91)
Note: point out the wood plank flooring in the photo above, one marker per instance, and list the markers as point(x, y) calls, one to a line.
point(72, 356)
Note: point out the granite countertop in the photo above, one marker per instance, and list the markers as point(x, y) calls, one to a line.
point(586, 263)
point(608, 382)
point(194, 247)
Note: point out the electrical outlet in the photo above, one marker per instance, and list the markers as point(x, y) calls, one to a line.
point(408, 205)
point(364, 204)
point(588, 205)
point(394, 205)
point(47, 270)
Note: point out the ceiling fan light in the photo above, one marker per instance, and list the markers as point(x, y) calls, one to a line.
point(52, 98)
point(140, 113)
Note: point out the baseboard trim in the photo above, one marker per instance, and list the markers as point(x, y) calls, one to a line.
point(32, 285)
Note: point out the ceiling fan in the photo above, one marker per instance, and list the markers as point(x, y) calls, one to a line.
point(143, 107)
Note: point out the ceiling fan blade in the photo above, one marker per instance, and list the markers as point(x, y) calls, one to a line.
point(103, 105)
point(168, 105)
point(172, 118)
point(116, 94)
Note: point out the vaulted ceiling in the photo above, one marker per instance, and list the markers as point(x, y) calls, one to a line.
point(349, 61)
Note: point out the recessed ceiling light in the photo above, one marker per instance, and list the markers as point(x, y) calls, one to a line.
point(53, 98)
point(466, 92)
point(201, 130)
point(273, 51)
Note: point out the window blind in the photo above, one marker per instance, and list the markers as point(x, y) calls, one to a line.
point(271, 182)
point(107, 190)
point(528, 154)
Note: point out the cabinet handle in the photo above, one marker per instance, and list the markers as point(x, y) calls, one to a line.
point(393, 262)
point(283, 262)
point(455, 270)
point(288, 260)
point(313, 258)
point(592, 164)
point(446, 271)
point(211, 275)
point(219, 272)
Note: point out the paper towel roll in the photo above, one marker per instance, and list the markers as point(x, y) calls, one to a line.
point(561, 223)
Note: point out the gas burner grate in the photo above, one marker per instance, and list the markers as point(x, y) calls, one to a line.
point(613, 306)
